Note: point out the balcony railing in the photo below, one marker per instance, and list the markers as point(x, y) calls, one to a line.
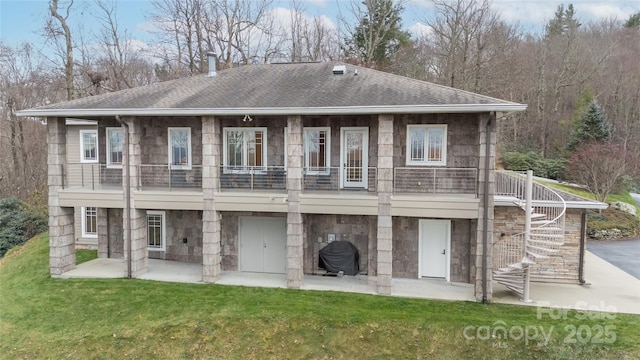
point(91, 176)
point(253, 178)
point(407, 180)
point(336, 178)
point(166, 177)
point(435, 180)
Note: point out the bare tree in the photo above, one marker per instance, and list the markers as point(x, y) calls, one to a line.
point(55, 31)
point(25, 82)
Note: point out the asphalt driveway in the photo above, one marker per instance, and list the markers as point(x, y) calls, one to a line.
point(624, 254)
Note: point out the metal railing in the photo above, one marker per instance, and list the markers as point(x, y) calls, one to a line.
point(253, 177)
point(168, 177)
point(338, 178)
point(91, 176)
point(435, 180)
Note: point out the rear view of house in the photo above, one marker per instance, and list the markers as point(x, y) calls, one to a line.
point(257, 168)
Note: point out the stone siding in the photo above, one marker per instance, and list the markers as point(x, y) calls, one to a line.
point(562, 266)
point(405, 248)
point(356, 229)
point(182, 225)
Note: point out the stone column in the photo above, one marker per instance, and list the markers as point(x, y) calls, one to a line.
point(385, 189)
point(485, 140)
point(294, 188)
point(103, 233)
point(62, 252)
point(211, 150)
point(139, 252)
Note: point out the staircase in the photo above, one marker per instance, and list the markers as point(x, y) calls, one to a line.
point(544, 212)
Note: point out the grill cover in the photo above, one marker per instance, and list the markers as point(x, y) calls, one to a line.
point(339, 256)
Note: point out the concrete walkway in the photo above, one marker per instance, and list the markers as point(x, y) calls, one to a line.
point(610, 289)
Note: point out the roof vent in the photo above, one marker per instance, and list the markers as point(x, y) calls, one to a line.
point(339, 70)
point(213, 61)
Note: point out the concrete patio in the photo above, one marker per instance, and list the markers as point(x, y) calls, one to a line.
point(610, 289)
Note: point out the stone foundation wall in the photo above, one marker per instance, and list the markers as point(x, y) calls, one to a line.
point(405, 248)
point(559, 267)
point(358, 230)
point(181, 225)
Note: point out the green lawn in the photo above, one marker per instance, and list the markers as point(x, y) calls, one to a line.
point(44, 318)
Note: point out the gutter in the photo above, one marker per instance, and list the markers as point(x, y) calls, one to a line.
point(327, 110)
point(127, 191)
point(485, 204)
point(583, 233)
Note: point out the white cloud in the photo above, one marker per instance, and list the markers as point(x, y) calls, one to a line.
point(419, 30)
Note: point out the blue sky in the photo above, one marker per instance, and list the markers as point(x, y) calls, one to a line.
point(21, 20)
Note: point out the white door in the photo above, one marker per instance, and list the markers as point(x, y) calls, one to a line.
point(263, 244)
point(354, 153)
point(434, 248)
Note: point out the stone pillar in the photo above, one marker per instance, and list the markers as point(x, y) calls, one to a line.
point(139, 252)
point(62, 252)
point(295, 160)
point(385, 189)
point(485, 140)
point(103, 233)
point(211, 150)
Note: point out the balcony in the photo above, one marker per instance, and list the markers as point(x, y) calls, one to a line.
point(406, 180)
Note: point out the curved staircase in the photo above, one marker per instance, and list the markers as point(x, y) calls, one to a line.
point(542, 235)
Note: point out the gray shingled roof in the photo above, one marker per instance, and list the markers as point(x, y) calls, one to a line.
point(299, 88)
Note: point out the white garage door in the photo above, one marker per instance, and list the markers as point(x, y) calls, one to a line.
point(263, 244)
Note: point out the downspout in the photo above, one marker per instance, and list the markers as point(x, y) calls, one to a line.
point(127, 191)
point(485, 204)
point(583, 233)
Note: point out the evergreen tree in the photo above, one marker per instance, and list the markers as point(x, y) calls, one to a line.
point(633, 21)
point(564, 21)
point(378, 34)
point(591, 127)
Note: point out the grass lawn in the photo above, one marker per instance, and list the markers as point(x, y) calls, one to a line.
point(43, 318)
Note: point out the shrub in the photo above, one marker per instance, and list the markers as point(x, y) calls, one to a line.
point(548, 168)
point(17, 225)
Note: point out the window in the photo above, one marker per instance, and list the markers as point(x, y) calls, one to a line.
point(89, 222)
point(316, 146)
point(155, 230)
point(245, 148)
point(89, 145)
point(180, 148)
point(427, 145)
point(115, 145)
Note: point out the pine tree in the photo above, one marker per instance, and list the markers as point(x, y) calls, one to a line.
point(378, 34)
point(592, 126)
point(563, 22)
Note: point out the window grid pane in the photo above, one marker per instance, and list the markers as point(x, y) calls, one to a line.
point(417, 144)
point(315, 149)
point(154, 230)
point(179, 146)
point(91, 220)
point(115, 146)
point(89, 141)
point(235, 145)
point(435, 144)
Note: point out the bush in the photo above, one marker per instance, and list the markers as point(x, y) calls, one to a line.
point(17, 225)
point(547, 168)
point(612, 223)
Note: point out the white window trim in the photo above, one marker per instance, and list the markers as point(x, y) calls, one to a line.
point(305, 164)
point(265, 146)
point(170, 151)
point(84, 224)
point(327, 155)
point(163, 238)
point(426, 162)
point(82, 159)
point(108, 141)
